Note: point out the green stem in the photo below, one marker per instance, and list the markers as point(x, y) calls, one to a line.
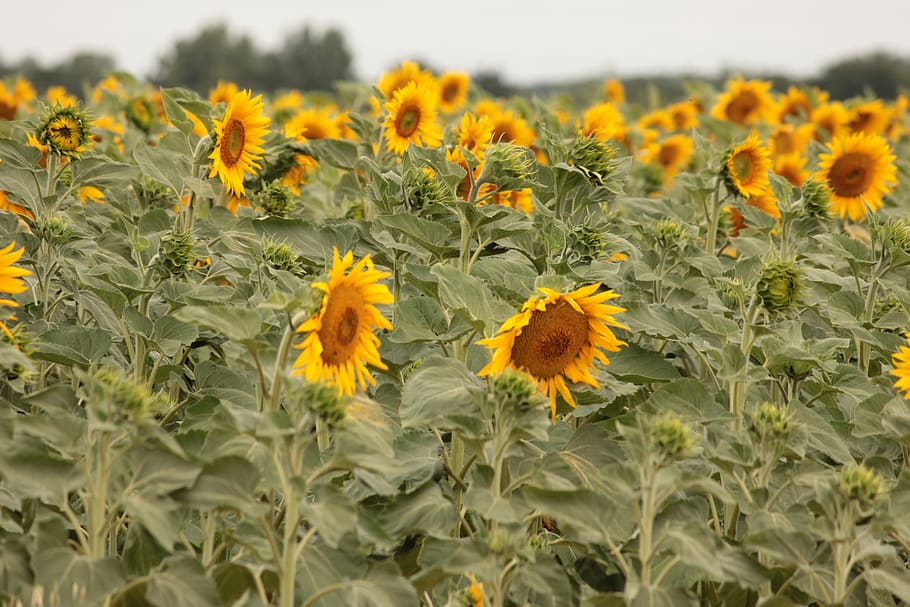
point(280, 363)
point(208, 537)
point(738, 386)
point(713, 220)
point(646, 525)
point(51, 174)
point(97, 502)
point(456, 460)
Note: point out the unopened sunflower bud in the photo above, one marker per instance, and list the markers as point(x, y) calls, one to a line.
point(117, 396)
point(859, 484)
point(177, 255)
point(771, 421)
point(506, 162)
point(593, 157)
point(669, 232)
point(512, 389)
point(894, 235)
point(276, 200)
point(280, 256)
point(423, 188)
point(779, 286)
point(816, 197)
point(590, 241)
point(65, 131)
point(53, 229)
point(672, 438)
point(325, 402)
point(152, 194)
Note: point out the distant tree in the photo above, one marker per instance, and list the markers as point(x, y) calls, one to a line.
point(878, 73)
point(212, 55)
point(493, 84)
point(310, 61)
point(77, 73)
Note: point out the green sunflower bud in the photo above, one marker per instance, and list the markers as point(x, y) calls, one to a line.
point(669, 232)
point(423, 188)
point(779, 286)
point(325, 402)
point(894, 235)
point(816, 197)
point(280, 256)
point(593, 157)
point(116, 396)
point(177, 255)
point(65, 131)
point(54, 229)
point(505, 162)
point(512, 389)
point(672, 438)
point(651, 176)
point(771, 421)
point(859, 484)
point(276, 200)
point(152, 194)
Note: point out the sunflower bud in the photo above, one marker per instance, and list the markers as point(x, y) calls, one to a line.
point(590, 241)
point(139, 112)
point(324, 401)
point(117, 397)
point(779, 286)
point(53, 229)
point(512, 389)
point(651, 176)
point(423, 188)
point(152, 194)
point(771, 421)
point(65, 131)
point(894, 235)
point(178, 253)
point(859, 484)
point(280, 256)
point(671, 436)
point(816, 197)
point(593, 157)
point(669, 232)
point(276, 200)
point(506, 162)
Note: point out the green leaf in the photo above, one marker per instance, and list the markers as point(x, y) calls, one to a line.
point(226, 483)
point(163, 165)
point(169, 334)
point(73, 346)
point(159, 516)
point(335, 152)
point(424, 511)
point(332, 513)
point(635, 364)
point(431, 235)
point(470, 298)
point(234, 322)
point(581, 514)
point(437, 390)
point(33, 471)
point(181, 582)
point(59, 570)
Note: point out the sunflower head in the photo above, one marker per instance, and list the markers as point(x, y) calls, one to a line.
point(178, 253)
point(858, 484)
point(816, 196)
point(671, 438)
point(65, 130)
point(54, 229)
point(323, 400)
point(116, 397)
point(557, 337)
point(423, 188)
point(772, 421)
point(339, 341)
point(239, 137)
point(594, 157)
point(669, 232)
point(513, 389)
point(744, 102)
point(614, 91)
point(860, 169)
point(276, 200)
point(411, 118)
point(280, 256)
point(900, 362)
point(453, 91)
point(779, 286)
point(508, 165)
point(139, 111)
point(745, 167)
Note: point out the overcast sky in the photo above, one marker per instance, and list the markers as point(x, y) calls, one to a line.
point(525, 41)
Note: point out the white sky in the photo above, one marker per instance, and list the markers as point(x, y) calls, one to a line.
point(525, 42)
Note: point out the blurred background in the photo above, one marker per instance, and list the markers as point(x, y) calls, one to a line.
point(846, 47)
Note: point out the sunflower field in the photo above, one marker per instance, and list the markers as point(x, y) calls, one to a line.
point(409, 344)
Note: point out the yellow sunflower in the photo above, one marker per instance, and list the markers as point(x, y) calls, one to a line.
point(8, 103)
point(673, 154)
point(684, 115)
point(453, 91)
point(897, 124)
point(519, 200)
point(340, 341)
point(57, 95)
point(792, 167)
point(411, 119)
point(870, 117)
point(313, 123)
point(239, 137)
point(403, 75)
point(789, 139)
point(860, 170)
point(557, 337)
point(8, 205)
point(614, 91)
point(512, 128)
point(744, 102)
point(223, 92)
point(604, 121)
point(473, 133)
point(66, 131)
point(901, 362)
point(11, 277)
point(658, 119)
point(746, 168)
point(830, 121)
point(794, 104)
point(475, 592)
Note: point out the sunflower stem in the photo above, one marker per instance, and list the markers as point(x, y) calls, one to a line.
point(456, 460)
point(713, 220)
point(51, 174)
point(280, 363)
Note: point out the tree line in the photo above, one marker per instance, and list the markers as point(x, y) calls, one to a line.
point(311, 60)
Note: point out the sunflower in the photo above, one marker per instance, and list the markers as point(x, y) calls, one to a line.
point(11, 277)
point(870, 117)
point(792, 167)
point(746, 167)
point(605, 121)
point(793, 104)
point(11, 207)
point(673, 154)
point(744, 102)
point(512, 128)
point(312, 124)
point(860, 170)
point(765, 201)
point(614, 91)
point(239, 137)
point(830, 121)
point(901, 362)
point(340, 340)
point(789, 139)
point(57, 95)
point(519, 200)
point(223, 92)
point(475, 592)
point(684, 115)
point(65, 130)
point(472, 133)
point(411, 118)
point(406, 73)
point(8, 103)
point(897, 124)
point(557, 337)
point(658, 119)
point(453, 91)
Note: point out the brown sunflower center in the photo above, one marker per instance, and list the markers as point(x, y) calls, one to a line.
point(450, 92)
point(743, 167)
point(407, 121)
point(233, 139)
point(784, 143)
point(8, 109)
point(741, 107)
point(65, 132)
point(340, 323)
point(668, 155)
point(551, 340)
point(861, 121)
point(850, 175)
